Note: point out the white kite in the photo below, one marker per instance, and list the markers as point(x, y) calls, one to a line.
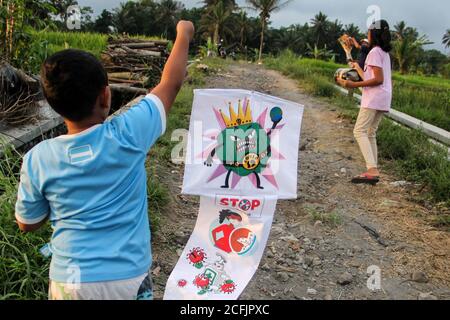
point(242, 156)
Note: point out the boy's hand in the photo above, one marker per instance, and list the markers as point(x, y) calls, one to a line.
point(186, 28)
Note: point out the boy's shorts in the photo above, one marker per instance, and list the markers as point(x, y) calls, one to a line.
point(139, 288)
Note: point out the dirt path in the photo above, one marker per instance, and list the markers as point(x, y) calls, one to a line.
point(306, 259)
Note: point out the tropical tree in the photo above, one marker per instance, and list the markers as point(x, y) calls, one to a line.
point(133, 18)
point(287, 38)
point(215, 21)
point(61, 11)
point(17, 17)
point(319, 27)
point(446, 39)
point(431, 61)
point(400, 29)
point(407, 45)
point(244, 25)
point(318, 53)
point(61, 7)
point(266, 8)
point(104, 22)
point(352, 30)
point(168, 15)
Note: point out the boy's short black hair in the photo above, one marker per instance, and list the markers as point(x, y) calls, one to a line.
point(72, 81)
point(381, 35)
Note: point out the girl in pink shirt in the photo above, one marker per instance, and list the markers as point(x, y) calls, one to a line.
point(376, 98)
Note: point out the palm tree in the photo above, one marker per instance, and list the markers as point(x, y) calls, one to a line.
point(169, 11)
point(446, 39)
point(319, 26)
point(352, 30)
point(212, 3)
point(244, 26)
point(407, 45)
point(400, 29)
point(287, 38)
point(216, 18)
point(266, 8)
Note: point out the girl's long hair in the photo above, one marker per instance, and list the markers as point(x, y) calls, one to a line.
point(381, 35)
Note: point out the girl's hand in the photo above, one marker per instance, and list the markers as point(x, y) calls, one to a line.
point(342, 82)
point(350, 84)
point(346, 83)
point(354, 65)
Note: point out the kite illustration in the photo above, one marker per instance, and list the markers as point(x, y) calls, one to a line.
point(241, 160)
point(243, 146)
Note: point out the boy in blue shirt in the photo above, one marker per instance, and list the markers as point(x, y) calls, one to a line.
point(91, 183)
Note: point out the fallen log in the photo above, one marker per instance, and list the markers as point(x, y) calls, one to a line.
point(143, 45)
point(129, 40)
point(126, 81)
point(141, 53)
point(126, 76)
point(122, 88)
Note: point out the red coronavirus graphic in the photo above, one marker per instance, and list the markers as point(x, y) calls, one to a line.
point(196, 257)
point(201, 281)
point(182, 283)
point(228, 287)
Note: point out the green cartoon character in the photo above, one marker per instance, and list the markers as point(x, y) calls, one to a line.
point(244, 146)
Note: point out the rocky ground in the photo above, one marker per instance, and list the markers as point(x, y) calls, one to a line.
point(322, 244)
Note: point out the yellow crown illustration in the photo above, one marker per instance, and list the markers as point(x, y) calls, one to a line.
point(237, 119)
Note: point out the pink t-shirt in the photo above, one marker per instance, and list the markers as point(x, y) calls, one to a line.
point(379, 97)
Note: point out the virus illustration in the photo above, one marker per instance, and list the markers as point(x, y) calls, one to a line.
point(228, 287)
point(202, 282)
point(214, 279)
point(196, 257)
point(182, 283)
point(243, 146)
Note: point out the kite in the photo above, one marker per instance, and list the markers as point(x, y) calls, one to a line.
point(242, 156)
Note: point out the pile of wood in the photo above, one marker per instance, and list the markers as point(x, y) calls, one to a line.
point(19, 94)
point(135, 63)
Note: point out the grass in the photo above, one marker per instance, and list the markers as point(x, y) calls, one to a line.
point(23, 271)
point(45, 43)
point(56, 41)
point(409, 153)
point(332, 219)
point(443, 222)
point(425, 98)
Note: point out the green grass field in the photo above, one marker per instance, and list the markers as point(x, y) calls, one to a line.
point(407, 152)
point(46, 43)
point(425, 98)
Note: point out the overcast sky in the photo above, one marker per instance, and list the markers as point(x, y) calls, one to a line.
point(430, 17)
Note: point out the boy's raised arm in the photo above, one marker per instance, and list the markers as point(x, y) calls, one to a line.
point(175, 69)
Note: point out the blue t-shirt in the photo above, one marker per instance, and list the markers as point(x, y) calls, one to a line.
point(92, 185)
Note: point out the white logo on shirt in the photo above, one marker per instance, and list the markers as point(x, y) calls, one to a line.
point(80, 154)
